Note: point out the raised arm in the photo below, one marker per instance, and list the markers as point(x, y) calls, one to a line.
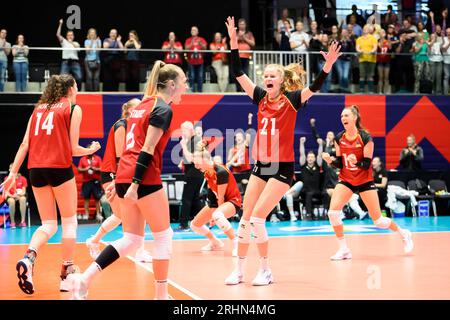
point(248, 136)
point(302, 151)
point(75, 122)
point(235, 62)
point(58, 31)
point(319, 152)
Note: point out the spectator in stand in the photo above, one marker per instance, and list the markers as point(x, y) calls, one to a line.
point(283, 36)
point(388, 18)
point(90, 166)
point(319, 9)
point(351, 34)
point(329, 20)
point(92, 61)
point(359, 19)
point(344, 61)
point(299, 40)
point(132, 61)
point(380, 178)
point(422, 31)
point(285, 17)
point(305, 19)
point(246, 41)
point(421, 61)
point(445, 49)
point(195, 59)
point(408, 26)
point(437, 28)
point(17, 194)
point(411, 156)
point(404, 75)
point(394, 41)
point(70, 63)
point(375, 28)
point(334, 36)
point(172, 46)
point(436, 59)
point(20, 63)
point(5, 50)
point(366, 46)
point(317, 46)
point(314, 42)
point(383, 60)
point(112, 61)
point(220, 60)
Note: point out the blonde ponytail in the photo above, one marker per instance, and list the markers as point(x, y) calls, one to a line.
point(159, 76)
point(294, 77)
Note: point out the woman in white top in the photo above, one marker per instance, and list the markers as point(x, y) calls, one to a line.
point(20, 63)
point(436, 59)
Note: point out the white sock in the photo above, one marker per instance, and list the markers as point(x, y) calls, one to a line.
point(401, 232)
point(240, 264)
point(161, 290)
point(342, 244)
point(264, 263)
point(92, 271)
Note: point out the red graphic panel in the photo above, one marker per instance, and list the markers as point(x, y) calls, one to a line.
point(373, 112)
point(92, 123)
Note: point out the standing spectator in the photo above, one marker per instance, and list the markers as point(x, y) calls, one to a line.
point(283, 36)
point(421, 61)
point(172, 55)
point(411, 156)
point(112, 61)
point(132, 61)
point(356, 28)
point(246, 42)
point(437, 28)
point(388, 18)
point(5, 50)
point(358, 18)
point(220, 61)
point(195, 59)
point(284, 17)
point(70, 63)
point(344, 61)
point(90, 167)
point(20, 62)
point(305, 19)
point(17, 194)
point(334, 36)
point(380, 178)
point(313, 29)
point(314, 42)
point(446, 55)
point(366, 45)
point(329, 20)
point(92, 61)
point(317, 46)
point(436, 59)
point(299, 39)
point(190, 200)
point(422, 31)
point(404, 75)
point(408, 26)
point(383, 59)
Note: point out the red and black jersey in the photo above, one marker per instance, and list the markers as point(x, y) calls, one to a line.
point(221, 175)
point(49, 136)
point(243, 159)
point(110, 157)
point(276, 124)
point(352, 173)
point(155, 112)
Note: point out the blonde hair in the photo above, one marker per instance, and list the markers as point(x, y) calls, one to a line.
point(89, 31)
point(159, 77)
point(127, 105)
point(294, 77)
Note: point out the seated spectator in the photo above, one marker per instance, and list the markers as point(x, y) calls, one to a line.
point(344, 61)
point(380, 178)
point(17, 194)
point(436, 61)
point(383, 60)
point(311, 177)
point(421, 61)
point(284, 18)
point(172, 46)
point(70, 63)
point(220, 60)
point(20, 54)
point(5, 50)
point(112, 61)
point(92, 61)
point(90, 166)
point(358, 18)
point(366, 45)
point(411, 156)
point(195, 59)
point(132, 62)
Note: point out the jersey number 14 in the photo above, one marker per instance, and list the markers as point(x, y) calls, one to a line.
point(47, 125)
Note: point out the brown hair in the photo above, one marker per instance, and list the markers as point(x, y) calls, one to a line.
point(355, 110)
point(57, 88)
point(159, 77)
point(134, 32)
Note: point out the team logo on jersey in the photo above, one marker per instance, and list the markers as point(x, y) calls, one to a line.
point(137, 113)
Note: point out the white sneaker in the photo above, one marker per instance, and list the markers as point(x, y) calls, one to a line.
point(408, 241)
point(213, 246)
point(293, 218)
point(65, 285)
point(234, 278)
point(77, 286)
point(94, 248)
point(79, 216)
point(263, 278)
point(362, 216)
point(85, 217)
point(274, 218)
point(99, 218)
point(24, 269)
point(143, 256)
point(342, 254)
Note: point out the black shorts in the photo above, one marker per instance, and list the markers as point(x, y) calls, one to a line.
point(239, 176)
point(281, 171)
point(361, 188)
point(143, 190)
point(42, 177)
point(211, 201)
point(93, 188)
point(106, 177)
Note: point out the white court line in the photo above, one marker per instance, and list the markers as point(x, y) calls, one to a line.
point(150, 269)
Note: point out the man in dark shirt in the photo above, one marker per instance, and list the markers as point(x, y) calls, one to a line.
point(411, 157)
point(359, 18)
point(380, 178)
point(404, 61)
point(190, 199)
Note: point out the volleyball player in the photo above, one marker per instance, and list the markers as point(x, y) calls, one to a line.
point(354, 152)
point(138, 182)
point(273, 149)
point(51, 140)
point(113, 151)
point(223, 201)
